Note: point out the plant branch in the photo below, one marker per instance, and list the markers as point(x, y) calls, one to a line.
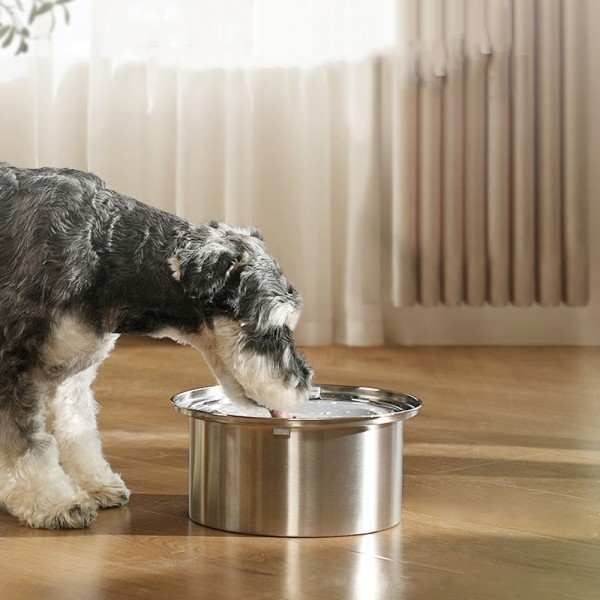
point(14, 33)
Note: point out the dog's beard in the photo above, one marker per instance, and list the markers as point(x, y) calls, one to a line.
point(248, 377)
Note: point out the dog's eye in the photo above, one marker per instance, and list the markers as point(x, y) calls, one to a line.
point(290, 289)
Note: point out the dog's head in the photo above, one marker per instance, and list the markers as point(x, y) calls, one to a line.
point(249, 311)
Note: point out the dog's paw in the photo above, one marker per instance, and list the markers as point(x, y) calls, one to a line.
point(111, 497)
point(110, 494)
point(76, 516)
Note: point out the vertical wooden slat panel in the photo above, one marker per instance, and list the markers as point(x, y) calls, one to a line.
point(498, 154)
point(475, 153)
point(430, 144)
point(523, 147)
point(549, 168)
point(575, 213)
point(405, 152)
point(453, 157)
point(499, 199)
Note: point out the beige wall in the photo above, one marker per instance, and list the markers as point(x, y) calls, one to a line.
point(512, 325)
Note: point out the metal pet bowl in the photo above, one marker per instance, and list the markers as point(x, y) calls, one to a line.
point(335, 468)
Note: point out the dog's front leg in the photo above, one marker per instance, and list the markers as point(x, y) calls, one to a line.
point(72, 418)
point(33, 485)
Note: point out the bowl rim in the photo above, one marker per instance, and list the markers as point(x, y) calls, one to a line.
point(405, 407)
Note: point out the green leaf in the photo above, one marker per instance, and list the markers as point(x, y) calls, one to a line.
point(4, 29)
point(32, 14)
point(67, 15)
point(9, 39)
point(44, 8)
point(62, 1)
point(22, 47)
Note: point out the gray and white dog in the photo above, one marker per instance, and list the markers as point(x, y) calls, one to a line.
point(80, 264)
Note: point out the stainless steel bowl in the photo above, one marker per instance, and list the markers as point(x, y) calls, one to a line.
point(333, 468)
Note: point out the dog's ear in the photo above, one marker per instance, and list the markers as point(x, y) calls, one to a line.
point(256, 233)
point(204, 274)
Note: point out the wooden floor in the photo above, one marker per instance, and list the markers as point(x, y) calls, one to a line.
point(501, 489)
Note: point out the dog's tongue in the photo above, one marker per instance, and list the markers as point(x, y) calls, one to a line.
point(280, 414)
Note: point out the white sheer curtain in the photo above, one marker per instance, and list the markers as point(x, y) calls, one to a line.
point(255, 112)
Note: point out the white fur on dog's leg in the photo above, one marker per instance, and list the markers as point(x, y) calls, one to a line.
point(37, 491)
point(73, 422)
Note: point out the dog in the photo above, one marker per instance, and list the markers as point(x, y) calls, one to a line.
point(81, 264)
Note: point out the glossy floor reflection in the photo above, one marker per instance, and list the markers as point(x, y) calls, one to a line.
point(501, 489)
